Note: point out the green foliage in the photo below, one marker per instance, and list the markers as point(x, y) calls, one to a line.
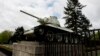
point(95, 36)
point(75, 20)
point(18, 35)
point(5, 36)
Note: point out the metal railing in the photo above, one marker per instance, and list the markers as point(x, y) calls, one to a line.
point(85, 43)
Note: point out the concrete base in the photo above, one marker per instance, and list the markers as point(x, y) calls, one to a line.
point(25, 48)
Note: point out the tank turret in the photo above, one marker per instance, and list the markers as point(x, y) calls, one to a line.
point(47, 20)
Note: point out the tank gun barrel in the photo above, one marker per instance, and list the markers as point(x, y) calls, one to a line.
point(29, 14)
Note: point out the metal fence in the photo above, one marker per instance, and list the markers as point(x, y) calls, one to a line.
point(85, 43)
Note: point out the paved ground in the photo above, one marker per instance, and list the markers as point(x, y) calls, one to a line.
point(1, 54)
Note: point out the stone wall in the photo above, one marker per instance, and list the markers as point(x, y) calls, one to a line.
point(27, 49)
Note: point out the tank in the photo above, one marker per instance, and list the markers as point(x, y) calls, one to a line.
point(46, 20)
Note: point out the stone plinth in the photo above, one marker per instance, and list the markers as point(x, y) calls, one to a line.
point(28, 49)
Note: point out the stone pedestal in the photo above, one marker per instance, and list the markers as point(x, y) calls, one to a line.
point(25, 48)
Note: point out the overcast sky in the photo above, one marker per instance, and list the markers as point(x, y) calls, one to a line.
point(11, 17)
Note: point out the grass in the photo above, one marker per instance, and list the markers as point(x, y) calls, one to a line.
point(6, 48)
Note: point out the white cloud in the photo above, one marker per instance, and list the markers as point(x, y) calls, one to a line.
point(11, 18)
point(91, 11)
